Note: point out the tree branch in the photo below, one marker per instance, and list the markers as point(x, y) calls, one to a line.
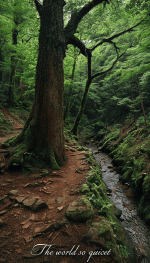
point(78, 43)
point(104, 72)
point(109, 40)
point(76, 17)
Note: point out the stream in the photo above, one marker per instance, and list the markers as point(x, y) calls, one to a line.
point(137, 230)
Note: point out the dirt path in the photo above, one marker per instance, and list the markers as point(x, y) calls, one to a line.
point(17, 125)
point(21, 228)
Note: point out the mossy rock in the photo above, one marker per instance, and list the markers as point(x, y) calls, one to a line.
point(102, 235)
point(80, 210)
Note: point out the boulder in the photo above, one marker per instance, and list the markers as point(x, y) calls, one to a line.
point(99, 233)
point(80, 210)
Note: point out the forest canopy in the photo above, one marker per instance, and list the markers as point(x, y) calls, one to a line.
point(105, 52)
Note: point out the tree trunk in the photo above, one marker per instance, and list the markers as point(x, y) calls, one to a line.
point(83, 101)
point(81, 110)
point(42, 139)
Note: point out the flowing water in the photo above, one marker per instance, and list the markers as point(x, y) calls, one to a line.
point(138, 232)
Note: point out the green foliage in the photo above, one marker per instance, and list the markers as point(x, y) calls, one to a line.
point(123, 251)
point(6, 125)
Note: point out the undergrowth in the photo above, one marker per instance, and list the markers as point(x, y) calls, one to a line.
point(131, 154)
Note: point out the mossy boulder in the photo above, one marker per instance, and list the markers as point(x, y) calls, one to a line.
point(80, 210)
point(101, 234)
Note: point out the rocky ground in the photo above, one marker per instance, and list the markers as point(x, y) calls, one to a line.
point(35, 208)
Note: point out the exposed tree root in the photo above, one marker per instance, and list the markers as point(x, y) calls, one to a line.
point(27, 152)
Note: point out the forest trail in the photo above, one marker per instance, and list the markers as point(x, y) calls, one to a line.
point(22, 228)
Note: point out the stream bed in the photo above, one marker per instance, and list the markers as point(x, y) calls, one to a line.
point(136, 228)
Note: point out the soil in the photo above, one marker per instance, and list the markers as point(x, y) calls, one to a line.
point(59, 189)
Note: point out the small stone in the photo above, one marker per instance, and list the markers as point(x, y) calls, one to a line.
point(38, 229)
point(29, 202)
point(3, 212)
point(34, 204)
point(9, 180)
point(4, 184)
point(34, 218)
point(39, 205)
point(28, 238)
point(20, 199)
point(26, 225)
point(60, 208)
point(13, 192)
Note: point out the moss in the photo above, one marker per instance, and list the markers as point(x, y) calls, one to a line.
point(104, 230)
point(53, 162)
point(132, 156)
point(28, 153)
point(6, 125)
point(84, 189)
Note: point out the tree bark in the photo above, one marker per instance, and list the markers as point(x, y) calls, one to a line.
point(42, 140)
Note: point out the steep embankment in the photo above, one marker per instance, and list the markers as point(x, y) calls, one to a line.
point(129, 146)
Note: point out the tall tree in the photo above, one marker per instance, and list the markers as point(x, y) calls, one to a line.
point(41, 141)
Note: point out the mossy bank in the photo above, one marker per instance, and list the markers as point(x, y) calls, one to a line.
point(129, 146)
point(105, 230)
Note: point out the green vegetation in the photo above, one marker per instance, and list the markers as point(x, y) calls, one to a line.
point(108, 227)
point(6, 125)
point(132, 155)
point(106, 91)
